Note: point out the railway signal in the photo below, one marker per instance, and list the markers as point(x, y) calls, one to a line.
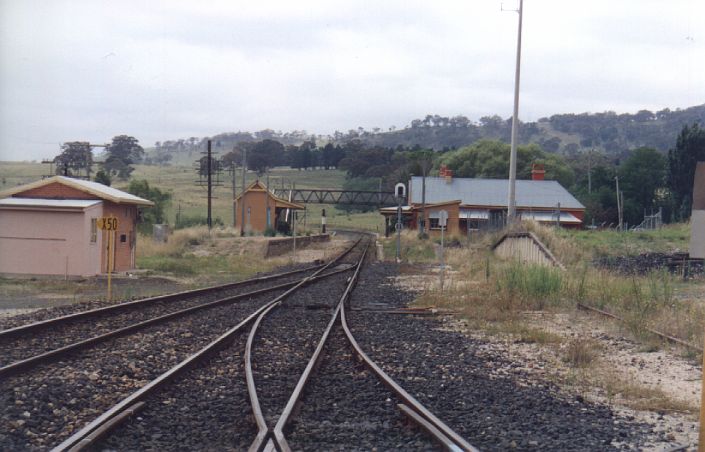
point(399, 194)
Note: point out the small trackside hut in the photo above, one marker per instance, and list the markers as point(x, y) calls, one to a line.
point(50, 227)
point(262, 209)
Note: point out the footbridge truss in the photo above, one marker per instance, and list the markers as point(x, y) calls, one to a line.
point(326, 196)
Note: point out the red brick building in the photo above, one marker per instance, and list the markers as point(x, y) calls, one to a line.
point(477, 204)
point(261, 208)
point(49, 227)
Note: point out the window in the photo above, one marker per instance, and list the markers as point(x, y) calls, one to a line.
point(434, 223)
point(123, 238)
point(474, 224)
point(94, 230)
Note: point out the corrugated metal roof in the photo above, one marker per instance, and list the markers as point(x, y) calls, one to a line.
point(109, 192)
point(39, 202)
point(494, 192)
point(94, 188)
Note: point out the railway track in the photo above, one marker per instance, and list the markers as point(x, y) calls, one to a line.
point(48, 398)
point(211, 387)
point(27, 345)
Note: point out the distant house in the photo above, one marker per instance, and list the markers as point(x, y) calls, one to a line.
point(477, 204)
point(49, 227)
point(262, 209)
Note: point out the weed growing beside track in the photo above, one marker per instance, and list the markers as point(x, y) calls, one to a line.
point(194, 252)
point(502, 299)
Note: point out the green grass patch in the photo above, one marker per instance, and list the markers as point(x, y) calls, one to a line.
point(614, 243)
point(534, 285)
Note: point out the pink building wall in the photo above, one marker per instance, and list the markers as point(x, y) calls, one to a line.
point(50, 242)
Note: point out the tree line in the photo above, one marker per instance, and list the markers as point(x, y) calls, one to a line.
point(648, 179)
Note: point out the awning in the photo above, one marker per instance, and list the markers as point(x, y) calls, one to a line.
point(49, 203)
point(474, 214)
point(389, 210)
point(547, 217)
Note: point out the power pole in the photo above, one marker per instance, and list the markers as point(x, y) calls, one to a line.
point(511, 210)
point(242, 194)
point(590, 171)
point(210, 186)
point(268, 211)
point(619, 203)
point(233, 168)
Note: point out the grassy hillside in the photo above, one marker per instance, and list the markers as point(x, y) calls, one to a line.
point(190, 198)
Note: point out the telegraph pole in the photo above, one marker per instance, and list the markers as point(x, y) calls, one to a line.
point(242, 195)
point(210, 186)
point(234, 170)
point(511, 210)
point(619, 202)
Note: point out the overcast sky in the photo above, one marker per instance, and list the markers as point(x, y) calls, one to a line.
point(90, 70)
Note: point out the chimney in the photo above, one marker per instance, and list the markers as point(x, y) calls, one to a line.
point(537, 171)
point(446, 173)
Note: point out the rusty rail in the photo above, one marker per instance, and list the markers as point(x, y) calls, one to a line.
point(664, 336)
point(400, 392)
point(288, 411)
point(145, 301)
point(17, 366)
point(413, 409)
point(264, 432)
point(104, 421)
point(24, 364)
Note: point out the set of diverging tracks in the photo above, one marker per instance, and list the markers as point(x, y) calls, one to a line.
point(182, 371)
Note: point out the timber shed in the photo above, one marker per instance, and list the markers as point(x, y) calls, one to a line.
point(262, 209)
point(49, 227)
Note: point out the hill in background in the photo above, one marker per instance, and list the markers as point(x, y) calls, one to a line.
point(612, 133)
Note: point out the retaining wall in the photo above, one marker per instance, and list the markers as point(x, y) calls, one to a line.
point(279, 246)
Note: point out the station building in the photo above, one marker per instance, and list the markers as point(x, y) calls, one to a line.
point(262, 209)
point(480, 204)
point(49, 227)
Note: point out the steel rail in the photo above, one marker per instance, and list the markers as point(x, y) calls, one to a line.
point(667, 337)
point(137, 303)
point(17, 366)
point(263, 437)
point(431, 429)
point(24, 364)
point(75, 441)
point(263, 430)
point(413, 409)
point(400, 392)
point(296, 395)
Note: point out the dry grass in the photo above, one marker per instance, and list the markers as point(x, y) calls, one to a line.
point(214, 256)
point(581, 353)
point(491, 293)
point(625, 389)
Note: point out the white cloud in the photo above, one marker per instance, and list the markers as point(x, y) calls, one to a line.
point(160, 70)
